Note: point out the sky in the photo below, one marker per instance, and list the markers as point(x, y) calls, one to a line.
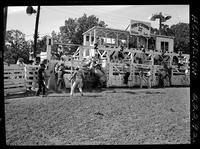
point(115, 16)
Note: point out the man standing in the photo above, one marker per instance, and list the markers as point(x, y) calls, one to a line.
point(77, 77)
point(60, 74)
point(41, 80)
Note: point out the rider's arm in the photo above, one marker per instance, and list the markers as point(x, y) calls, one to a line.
point(73, 75)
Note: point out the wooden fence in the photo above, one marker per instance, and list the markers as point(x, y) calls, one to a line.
point(14, 79)
point(20, 79)
point(31, 77)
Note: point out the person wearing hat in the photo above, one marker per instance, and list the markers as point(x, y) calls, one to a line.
point(41, 83)
point(77, 77)
point(127, 73)
point(148, 76)
point(60, 74)
point(20, 62)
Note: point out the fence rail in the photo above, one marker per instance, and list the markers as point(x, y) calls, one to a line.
point(20, 79)
point(14, 79)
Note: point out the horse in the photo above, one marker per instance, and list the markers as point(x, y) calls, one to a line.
point(97, 70)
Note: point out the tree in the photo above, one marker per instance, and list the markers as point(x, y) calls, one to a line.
point(16, 47)
point(41, 45)
point(181, 32)
point(74, 28)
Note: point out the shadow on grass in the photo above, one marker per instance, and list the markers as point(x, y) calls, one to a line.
point(85, 90)
point(129, 92)
point(137, 92)
point(20, 95)
point(92, 96)
point(148, 92)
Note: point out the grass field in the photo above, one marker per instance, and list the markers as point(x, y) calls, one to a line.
point(112, 116)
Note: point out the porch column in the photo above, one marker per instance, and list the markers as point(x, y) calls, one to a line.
point(90, 41)
point(127, 41)
point(117, 40)
point(137, 41)
point(106, 38)
point(147, 43)
point(84, 39)
point(94, 37)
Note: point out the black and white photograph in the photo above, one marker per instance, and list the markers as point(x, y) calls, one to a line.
point(97, 75)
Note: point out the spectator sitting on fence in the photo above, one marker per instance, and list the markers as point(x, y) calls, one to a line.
point(31, 62)
point(141, 47)
point(180, 60)
point(36, 62)
point(121, 53)
point(20, 62)
point(41, 81)
point(59, 52)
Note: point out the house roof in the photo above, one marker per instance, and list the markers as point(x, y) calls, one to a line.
point(110, 29)
point(127, 32)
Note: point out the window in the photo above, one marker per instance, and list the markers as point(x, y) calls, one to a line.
point(87, 38)
point(164, 46)
point(92, 38)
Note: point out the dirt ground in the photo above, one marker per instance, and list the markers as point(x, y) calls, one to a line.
point(110, 116)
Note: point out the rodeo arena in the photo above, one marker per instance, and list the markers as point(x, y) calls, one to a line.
point(108, 86)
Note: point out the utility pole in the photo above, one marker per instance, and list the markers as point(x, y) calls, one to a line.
point(5, 10)
point(30, 11)
point(36, 31)
point(161, 18)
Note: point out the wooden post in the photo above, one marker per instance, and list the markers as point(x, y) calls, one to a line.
point(106, 38)
point(90, 41)
point(127, 42)
point(108, 74)
point(117, 40)
point(5, 11)
point(147, 44)
point(152, 58)
point(84, 39)
point(160, 23)
point(94, 37)
point(137, 38)
point(49, 43)
point(36, 31)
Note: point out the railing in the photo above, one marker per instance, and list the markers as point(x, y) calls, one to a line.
point(14, 79)
point(31, 76)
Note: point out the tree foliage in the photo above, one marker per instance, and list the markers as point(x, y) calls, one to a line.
point(182, 37)
point(73, 29)
point(41, 44)
point(16, 47)
point(181, 32)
